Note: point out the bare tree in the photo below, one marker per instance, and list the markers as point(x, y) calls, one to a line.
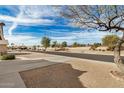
point(102, 18)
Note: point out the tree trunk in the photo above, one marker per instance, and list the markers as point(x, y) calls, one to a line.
point(117, 52)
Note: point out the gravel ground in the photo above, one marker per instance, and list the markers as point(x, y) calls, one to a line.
point(54, 76)
point(97, 73)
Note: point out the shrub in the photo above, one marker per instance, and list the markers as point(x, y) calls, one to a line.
point(92, 48)
point(110, 40)
point(7, 57)
point(64, 44)
point(103, 50)
point(110, 48)
point(75, 44)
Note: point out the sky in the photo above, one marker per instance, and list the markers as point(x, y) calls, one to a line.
point(28, 24)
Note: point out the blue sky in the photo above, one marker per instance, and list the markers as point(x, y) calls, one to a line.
point(28, 24)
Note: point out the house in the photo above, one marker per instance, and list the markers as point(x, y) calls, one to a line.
point(3, 42)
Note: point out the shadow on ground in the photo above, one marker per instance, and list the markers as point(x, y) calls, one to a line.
point(54, 76)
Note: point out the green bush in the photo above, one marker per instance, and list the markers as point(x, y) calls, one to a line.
point(110, 40)
point(7, 57)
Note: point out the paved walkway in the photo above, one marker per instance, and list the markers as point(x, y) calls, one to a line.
point(9, 76)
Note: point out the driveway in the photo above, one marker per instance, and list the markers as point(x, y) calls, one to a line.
point(9, 76)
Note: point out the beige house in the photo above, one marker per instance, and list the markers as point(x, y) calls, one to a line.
point(3, 42)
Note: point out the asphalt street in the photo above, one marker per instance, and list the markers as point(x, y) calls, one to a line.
point(106, 58)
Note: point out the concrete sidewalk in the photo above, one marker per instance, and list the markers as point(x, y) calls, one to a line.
point(9, 76)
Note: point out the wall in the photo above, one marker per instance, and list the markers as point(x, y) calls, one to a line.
point(3, 48)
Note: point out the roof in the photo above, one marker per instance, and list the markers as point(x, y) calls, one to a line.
point(1, 23)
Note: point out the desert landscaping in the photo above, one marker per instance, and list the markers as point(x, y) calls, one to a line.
point(47, 70)
point(62, 47)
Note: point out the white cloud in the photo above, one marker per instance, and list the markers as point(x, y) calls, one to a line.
point(75, 35)
point(22, 39)
point(70, 37)
point(82, 37)
point(63, 38)
point(29, 15)
point(36, 11)
point(14, 25)
point(24, 21)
